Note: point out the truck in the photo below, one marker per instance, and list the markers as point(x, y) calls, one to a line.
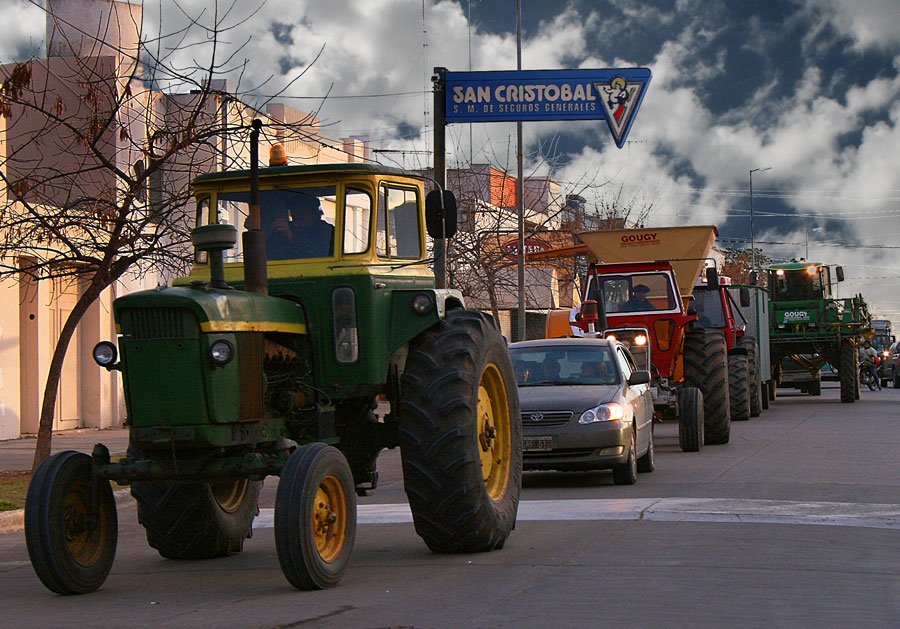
point(805, 318)
point(253, 366)
point(689, 362)
point(754, 314)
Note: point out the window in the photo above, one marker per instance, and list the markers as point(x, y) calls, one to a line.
point(625, 365)
point(634, 292)
point(298, 222)
point(357, 220)
point(200, 257)
point(398, 231)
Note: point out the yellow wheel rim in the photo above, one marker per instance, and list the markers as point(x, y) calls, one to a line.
point(84, 545)
point(329, 518)
point(494, 432)
point(230, 494)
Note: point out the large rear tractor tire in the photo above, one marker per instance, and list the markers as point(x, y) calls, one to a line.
point(461, 435)
point(739, 387)
point(690, 419)
point(71, 546)
point(706, 368)
point(315, 517)
point(756, 393)
point(197, 520)
point(849, 372)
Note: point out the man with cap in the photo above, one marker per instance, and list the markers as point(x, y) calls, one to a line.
point(638, 300)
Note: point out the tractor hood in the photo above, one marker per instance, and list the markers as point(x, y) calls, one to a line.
point(216, 310)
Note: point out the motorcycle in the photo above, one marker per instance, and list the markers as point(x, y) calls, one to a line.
point(867, 378)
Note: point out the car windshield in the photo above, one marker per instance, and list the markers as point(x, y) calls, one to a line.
point(564, 365)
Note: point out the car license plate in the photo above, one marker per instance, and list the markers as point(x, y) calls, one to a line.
point(537, 444)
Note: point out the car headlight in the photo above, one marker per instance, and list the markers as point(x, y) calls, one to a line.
point(610, 411)
point(105, 353)
point(221, 352)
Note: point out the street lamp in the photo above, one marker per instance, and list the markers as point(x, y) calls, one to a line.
point(752, 238)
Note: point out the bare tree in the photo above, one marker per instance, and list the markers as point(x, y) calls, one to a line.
point(96, 161)
point(738, 265)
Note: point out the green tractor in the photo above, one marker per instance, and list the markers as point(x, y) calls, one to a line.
point(806, 320)
point(260, 365)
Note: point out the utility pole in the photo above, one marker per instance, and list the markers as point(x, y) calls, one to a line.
point(521, 184)
point(752, 238)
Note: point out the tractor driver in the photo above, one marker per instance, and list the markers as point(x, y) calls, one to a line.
point(305, 235)
point(638, 299)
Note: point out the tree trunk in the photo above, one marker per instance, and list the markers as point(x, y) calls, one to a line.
point(51, 388)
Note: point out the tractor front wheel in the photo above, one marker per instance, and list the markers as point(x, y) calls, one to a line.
point(197, 520)
point(461, 435)
point(71, 535)
point(315, 517)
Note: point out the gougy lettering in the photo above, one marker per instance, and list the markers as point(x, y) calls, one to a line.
point(632, 238)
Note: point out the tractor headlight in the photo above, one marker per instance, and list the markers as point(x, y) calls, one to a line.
point(105, 354)
point(221, 352)
point(346, 335)
point(422, 304)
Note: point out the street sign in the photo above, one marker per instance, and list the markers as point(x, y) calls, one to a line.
point(611, 94)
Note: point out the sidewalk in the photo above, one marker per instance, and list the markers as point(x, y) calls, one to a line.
point(18, 454)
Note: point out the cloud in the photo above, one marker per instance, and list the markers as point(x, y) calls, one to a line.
point(26, 38)
point(870, 23)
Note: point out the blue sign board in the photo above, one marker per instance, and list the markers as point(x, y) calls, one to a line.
point(611, 94)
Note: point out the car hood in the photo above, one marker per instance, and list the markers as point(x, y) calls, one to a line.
point(577, 398)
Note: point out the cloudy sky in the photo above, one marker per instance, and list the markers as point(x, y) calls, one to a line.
point(808, 88)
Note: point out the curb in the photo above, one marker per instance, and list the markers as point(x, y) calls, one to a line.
point(14, 521)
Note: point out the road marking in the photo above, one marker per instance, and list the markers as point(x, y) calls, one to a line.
point(880, 516)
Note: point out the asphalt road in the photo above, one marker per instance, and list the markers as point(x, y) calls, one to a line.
point(796, 522)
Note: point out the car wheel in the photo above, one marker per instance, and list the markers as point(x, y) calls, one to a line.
point(626, 473)
point(647, 462)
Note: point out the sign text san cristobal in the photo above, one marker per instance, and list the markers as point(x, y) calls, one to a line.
point(612, 94)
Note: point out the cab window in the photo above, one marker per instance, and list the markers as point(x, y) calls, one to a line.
point(398, 229)
point(357, 221)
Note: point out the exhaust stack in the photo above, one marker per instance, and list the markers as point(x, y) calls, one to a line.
point(256, 279)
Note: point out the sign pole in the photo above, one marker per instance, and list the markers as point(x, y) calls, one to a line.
point(521, 186)
point(440, 171)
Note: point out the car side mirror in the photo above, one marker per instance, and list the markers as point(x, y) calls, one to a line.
point(745, 297)
point(440, 214)
point(639, 377)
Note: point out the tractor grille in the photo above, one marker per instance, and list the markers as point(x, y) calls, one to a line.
point(546, 418)
point(159, 323)
point(251, 352)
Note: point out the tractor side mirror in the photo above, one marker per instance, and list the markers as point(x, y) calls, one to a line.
point(440, 214)
point(839, 271)
point(712, 277)
point(754, 278)
point(745, 297)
